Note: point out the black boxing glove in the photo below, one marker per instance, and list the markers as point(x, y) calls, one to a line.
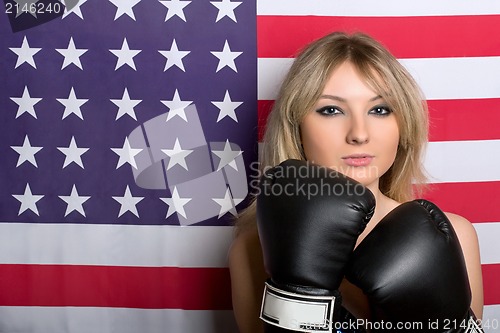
point(309, 218)
point(412, 269)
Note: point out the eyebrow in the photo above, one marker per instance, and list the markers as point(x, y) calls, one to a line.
point(343, 100)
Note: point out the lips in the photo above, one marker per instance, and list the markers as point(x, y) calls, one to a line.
point(358, 160)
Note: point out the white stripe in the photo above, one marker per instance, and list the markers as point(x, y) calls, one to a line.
point(116, 245)
point(376, 8)
point(491, 319)
point(456, 78)
point(439, 78)
point(113, 320)
point(270, 74)
point(488, 234)
point(119, 245)
point(462, 161)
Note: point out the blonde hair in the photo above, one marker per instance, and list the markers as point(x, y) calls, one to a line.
point(303, 85)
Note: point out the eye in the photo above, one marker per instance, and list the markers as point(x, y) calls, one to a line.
point(380, 110)
point(329, 110)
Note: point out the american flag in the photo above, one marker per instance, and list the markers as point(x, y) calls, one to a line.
point(84, 248)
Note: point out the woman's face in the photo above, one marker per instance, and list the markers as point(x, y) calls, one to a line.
point(351, 129)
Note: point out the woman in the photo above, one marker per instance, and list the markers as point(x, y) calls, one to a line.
point(347, 104)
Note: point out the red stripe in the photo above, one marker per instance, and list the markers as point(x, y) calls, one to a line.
point(464, 119)
point(406, 37)
point(490, 284)
point(263, 110)
point(475, 201)
point(114, 286)
point(139, 287)
point(451, 120)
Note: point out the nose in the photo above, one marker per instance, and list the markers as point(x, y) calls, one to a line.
point(358, 131)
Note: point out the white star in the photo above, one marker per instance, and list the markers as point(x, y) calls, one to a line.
point(125, 7)
point(73, 153)
point(126, 105)
point(176, 107)
point(26, 6)
point(72, 104)
point(26, 103)
point(25, 53)
point(128, 203)
point(72, 55)
point(75, 9)
point(227, 156)
point(127, 154)
point(26, 152)
point(177, 155)
point(226, 57)
point(74, 201)
point(226, 8)
point(176, 204)
point(227, 108)
point(28, 200)
point(174, 57)
point(125, 55)
point(175, 7)
point(226, 204)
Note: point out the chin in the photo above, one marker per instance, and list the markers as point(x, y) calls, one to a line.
point(365, 175)
point(365, 181)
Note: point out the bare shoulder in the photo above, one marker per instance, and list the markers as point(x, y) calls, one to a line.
point(248, 275)
point(469, 242)
point(458, 221)
point(464, 229)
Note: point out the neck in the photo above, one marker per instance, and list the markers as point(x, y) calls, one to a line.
point(373, 187)
point(384, 204)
